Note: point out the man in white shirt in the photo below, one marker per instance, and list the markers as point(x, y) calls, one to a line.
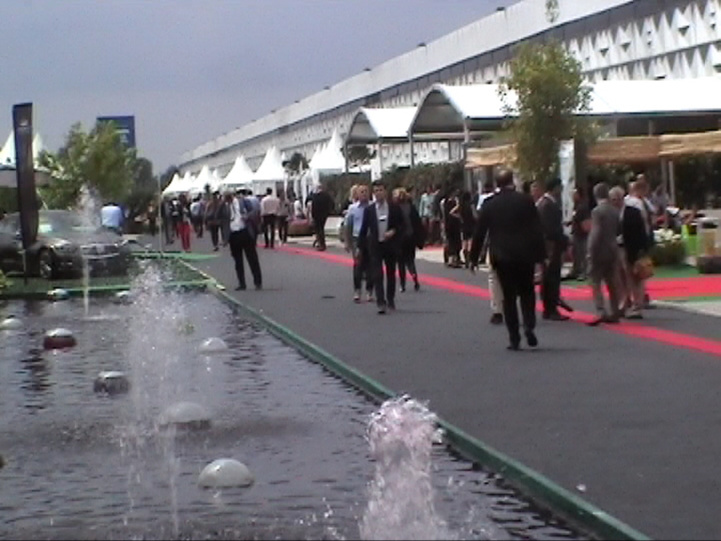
point(242, 241)
point(269, 214)
point(111, 216)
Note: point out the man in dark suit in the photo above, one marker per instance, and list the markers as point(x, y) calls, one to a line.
point(321, 207)
point(379, 236)
point(549, 209)
point(516, 244)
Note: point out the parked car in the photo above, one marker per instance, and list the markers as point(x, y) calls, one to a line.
point(63, 243)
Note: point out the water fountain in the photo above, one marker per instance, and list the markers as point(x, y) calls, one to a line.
point(89, 209)
point(401, 497)
point(99, 466)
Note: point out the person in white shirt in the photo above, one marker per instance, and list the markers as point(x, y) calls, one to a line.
point(268, 214)
point(494, 285)
point(242, 241)
point(111, 217)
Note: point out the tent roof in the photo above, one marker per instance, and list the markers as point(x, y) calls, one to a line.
point(271, 168)
point(330, 157)
point(173, 185)
point(7, 151)
point(369, 125)
point(239, 174)
point(444, 108)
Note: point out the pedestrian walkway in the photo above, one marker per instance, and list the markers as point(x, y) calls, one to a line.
point(623, 416)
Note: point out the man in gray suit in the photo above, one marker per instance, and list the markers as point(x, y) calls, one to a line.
point(603, 251)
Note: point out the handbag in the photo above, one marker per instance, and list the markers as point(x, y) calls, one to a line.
point(643, 268)
point(586, 225)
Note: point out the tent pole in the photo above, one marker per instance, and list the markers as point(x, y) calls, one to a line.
point(410, 142)
point(466, 141)
point(380, 156)
point(672, 180)
point(664, 176)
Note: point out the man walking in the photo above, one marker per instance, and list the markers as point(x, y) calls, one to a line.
point(603, 251)
point(242, 241)
point(321, 207)
point(516, 244)
point(379, 235)
point(549, 209)
point(268, 214)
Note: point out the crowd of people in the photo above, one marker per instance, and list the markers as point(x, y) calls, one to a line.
point(520, 234)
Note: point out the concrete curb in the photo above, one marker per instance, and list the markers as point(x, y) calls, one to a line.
point(577, 511)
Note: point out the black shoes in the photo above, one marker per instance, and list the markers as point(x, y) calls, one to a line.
point(531, 339)
point(240, 288)
point(497, 319)
point(515, 345)
point(382, 309)
point(563, 304)
point(417, 286)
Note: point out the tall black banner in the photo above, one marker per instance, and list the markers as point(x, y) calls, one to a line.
point(25, 169)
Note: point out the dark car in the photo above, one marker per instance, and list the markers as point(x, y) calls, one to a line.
point(63, 244)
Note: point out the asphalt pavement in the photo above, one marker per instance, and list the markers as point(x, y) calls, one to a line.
point(625, 416)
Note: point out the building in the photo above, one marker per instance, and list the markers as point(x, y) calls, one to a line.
point(612, 39)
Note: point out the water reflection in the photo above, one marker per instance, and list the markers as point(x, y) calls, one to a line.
point(37, 380)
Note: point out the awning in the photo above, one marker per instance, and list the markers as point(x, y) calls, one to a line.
point(484, 157)
point(687, 144)
point(625, 150)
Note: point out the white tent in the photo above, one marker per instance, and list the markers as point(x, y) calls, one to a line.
point(239, 176)
point(447, 109)
point(203, 179)
point(7, 152)
point(173, 185)
point(270, 172)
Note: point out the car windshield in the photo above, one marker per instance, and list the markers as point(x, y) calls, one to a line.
point(62, 223)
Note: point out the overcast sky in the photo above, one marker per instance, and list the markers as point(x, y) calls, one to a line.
point(190, 70)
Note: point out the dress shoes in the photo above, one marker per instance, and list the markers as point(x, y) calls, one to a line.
point(531, 339)
point(497, 319)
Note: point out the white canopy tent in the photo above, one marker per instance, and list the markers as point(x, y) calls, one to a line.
point(458, 111)
point(239, 176)
point(270, 172)
point(203, 179)
point(8, 174)
point(172, 187)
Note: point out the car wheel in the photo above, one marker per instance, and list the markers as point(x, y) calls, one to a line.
point(46, 265)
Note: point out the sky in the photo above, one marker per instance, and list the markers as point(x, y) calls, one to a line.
point(190, 70)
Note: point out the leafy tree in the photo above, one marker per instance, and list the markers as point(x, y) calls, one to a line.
point(359, 155)
point(297, 163)
point(143, 174)
point(98, 159)
point(549, 86)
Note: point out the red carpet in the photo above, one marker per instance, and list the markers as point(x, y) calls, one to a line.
point(658, 288)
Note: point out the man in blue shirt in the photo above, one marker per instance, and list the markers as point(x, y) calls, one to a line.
point(361, 261)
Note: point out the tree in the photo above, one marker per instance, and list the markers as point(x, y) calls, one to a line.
point(359, 155)
point(143, 174)
point(550, 95)
point(297, 163)
point(98, 159)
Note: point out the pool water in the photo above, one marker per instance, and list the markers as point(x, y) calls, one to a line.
point(81, 465)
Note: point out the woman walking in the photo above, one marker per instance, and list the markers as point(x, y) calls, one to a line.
point(413, 236)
